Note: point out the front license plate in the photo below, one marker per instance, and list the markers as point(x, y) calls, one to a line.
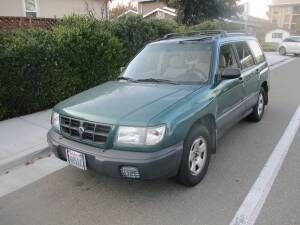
point(76, 159)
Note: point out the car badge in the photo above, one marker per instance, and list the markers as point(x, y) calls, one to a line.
point(81, 131)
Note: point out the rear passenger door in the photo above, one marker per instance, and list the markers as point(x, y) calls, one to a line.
point(250, 72)
point(261, 68)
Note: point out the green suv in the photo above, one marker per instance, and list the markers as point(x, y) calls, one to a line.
point(164, 115)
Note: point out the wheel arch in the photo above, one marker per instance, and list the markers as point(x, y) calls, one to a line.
point(265, 86)
point(209, 122)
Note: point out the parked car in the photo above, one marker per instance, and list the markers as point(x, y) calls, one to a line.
point(166, 112)
point(290, 45)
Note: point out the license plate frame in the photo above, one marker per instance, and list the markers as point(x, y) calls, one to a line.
point(76, 159)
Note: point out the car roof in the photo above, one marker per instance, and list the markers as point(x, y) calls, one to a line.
point(223, 37)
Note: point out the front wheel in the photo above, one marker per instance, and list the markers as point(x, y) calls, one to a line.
point(259, 108)
point(282, 51)
point(196, 156)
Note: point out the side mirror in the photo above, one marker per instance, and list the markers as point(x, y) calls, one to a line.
point(231, 73)
point(122, 69)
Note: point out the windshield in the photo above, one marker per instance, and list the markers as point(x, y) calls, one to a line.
point(181, 62)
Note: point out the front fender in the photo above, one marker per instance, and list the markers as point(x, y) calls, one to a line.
point(184, 114)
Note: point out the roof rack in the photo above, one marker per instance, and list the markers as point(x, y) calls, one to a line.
point(221, 33)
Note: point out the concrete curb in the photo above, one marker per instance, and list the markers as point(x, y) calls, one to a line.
point(23, 157)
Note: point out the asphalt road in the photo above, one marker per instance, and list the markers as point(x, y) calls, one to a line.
point(71, 196)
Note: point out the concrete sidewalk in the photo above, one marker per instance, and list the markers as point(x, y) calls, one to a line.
point(23, 139)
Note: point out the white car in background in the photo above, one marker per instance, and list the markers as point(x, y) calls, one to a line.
point(290, 45)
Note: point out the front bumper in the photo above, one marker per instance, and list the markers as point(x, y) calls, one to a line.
point(164, 163)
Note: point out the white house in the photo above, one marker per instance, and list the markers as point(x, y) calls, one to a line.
point(277, 35)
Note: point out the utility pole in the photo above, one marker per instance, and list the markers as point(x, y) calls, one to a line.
point(246, 14)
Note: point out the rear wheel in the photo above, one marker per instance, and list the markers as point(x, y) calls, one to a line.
point(196, 156)
point(282, 51)
point(259, 108)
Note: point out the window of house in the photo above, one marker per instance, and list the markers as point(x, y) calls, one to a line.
point(257, 52)
point(227, 58)
point(274, 21)
point(245, 56)
point(287, 18)
point(290, 10)
point(30, 7)
point(297, 10)
point(286, 26)
point(277, 35)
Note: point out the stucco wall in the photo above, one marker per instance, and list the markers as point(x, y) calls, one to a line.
point(145, 7)
point(11, 8)
point(285, 1)
point(54, 8)
point(59, 8)
point(270, 39)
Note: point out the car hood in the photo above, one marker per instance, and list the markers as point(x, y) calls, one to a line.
point(123, 103)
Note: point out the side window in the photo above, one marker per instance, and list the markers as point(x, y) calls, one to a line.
point(256, 50)
point(289, 40)
point(245, 56)
point(227, 58)
point(294, 39)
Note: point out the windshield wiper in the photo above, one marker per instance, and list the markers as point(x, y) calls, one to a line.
point(157, 81)
point(127, 79)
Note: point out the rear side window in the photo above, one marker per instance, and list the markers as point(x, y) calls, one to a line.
point(296, 39)
point(256, 50)
point(245, 56)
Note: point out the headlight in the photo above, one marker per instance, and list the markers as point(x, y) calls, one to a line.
point(140, 135)
point(55, 120)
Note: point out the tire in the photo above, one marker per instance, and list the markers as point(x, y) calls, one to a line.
point(195, 160)
point(259, 108)
point(282, 51)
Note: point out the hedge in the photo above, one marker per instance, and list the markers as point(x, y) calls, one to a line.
point(39, 68)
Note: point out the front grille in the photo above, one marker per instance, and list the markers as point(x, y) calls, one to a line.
point(85, 131)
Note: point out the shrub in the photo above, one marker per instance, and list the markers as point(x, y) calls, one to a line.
point(216, 25)
point(135, 32)
point(87, 55)
point(270, 47)
point(40, 68)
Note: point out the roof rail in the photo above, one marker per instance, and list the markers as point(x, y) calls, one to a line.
point(195, 33)
point(222, 33)
point(238, 32)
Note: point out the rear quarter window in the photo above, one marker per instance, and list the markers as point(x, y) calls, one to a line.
point(257, 51)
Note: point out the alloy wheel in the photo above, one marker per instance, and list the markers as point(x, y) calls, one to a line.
point(197, 156)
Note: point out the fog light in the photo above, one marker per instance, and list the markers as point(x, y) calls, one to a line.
point(130, 172)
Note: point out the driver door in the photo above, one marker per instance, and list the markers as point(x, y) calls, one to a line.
point(229, 93)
